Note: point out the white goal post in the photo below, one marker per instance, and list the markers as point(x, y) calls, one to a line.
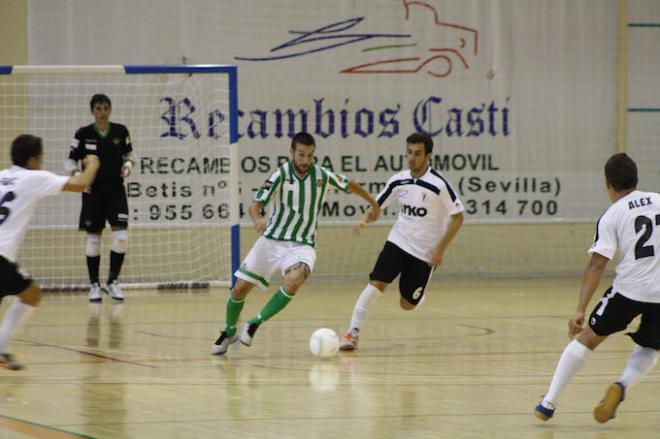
point(183, 192)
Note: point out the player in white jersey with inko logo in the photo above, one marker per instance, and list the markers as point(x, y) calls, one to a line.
point(430, 215)
point(631, 224)
point(295, 191)
point(21, 187)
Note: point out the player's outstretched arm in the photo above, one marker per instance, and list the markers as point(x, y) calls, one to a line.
point(71, 167)
point(258, 220)
point(80, 182)
point(364, 220)
point(590, 280)
point(437, 255)
point(360, 192)
point(371, 214)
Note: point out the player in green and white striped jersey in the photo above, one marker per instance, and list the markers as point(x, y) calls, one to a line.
point(300, 200)
point(296, 191)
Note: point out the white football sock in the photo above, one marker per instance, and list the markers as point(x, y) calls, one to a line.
point(571, 361)
point(641, 360)
point(16, 315)
point(365, 302)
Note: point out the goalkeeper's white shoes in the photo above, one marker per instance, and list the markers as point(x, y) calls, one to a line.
point(114, 290)
point(94, 293)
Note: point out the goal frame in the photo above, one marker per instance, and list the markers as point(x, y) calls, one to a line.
point(230, 70)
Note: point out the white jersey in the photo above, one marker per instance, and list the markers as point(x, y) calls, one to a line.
point(20, 191)
point(425, 205)
point(633, 224)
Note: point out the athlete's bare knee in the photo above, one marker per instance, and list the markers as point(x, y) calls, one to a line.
point(379, 284)
point(292, 283)
point(405, 305)
point(590, 339)
point(31, 295)
point(295, 276)
point(241, 289)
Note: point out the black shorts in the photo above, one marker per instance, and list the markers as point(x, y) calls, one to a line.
point(105, 203)
point(415, 273)
point(614, 313)
point(12, 281)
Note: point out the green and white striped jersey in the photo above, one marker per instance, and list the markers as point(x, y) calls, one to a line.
point(298, 201)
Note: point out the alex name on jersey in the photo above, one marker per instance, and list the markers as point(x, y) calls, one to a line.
point(632, 224)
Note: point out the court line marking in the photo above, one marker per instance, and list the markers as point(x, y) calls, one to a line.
point(37, 430)
point(357, 417)
point(82, 352)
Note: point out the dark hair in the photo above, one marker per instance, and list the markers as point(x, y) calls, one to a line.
point(24, 147)
point(99, 99)
point(303, 138)
point(621, 172)
point(421, 138)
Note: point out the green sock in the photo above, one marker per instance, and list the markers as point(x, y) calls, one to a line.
point(276, 304)
point(234, 308)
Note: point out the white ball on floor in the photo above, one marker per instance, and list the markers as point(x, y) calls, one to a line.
point(324, 343)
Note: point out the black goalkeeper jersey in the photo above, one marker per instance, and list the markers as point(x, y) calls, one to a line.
point(110, 149)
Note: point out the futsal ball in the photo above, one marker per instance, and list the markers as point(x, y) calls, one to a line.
point(324, 343)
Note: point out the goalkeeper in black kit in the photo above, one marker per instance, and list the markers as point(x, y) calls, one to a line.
point(106, 198)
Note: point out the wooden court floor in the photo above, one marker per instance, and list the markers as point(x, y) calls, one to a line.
point(471, 363)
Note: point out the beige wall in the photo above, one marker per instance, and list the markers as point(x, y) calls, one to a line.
point(13, 32)
point(13, 51)
point(478, 250)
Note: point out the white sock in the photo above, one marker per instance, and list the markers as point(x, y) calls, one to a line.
point(571, 361)
point(16, 315)
point(641, 360)
point(365, 302)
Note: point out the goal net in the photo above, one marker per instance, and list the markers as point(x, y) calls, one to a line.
point(182, 193)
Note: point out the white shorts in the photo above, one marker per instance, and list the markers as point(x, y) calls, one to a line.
point(267, 255)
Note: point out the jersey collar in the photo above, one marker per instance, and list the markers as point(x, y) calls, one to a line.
point(428, 169)
point(102, 134)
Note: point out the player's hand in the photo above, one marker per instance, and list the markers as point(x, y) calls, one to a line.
point(372, 214)
point(435, 257)
point(91, 160)
point(357, 228)
point(575, 325)
point(260, 225)
point(126, 168)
